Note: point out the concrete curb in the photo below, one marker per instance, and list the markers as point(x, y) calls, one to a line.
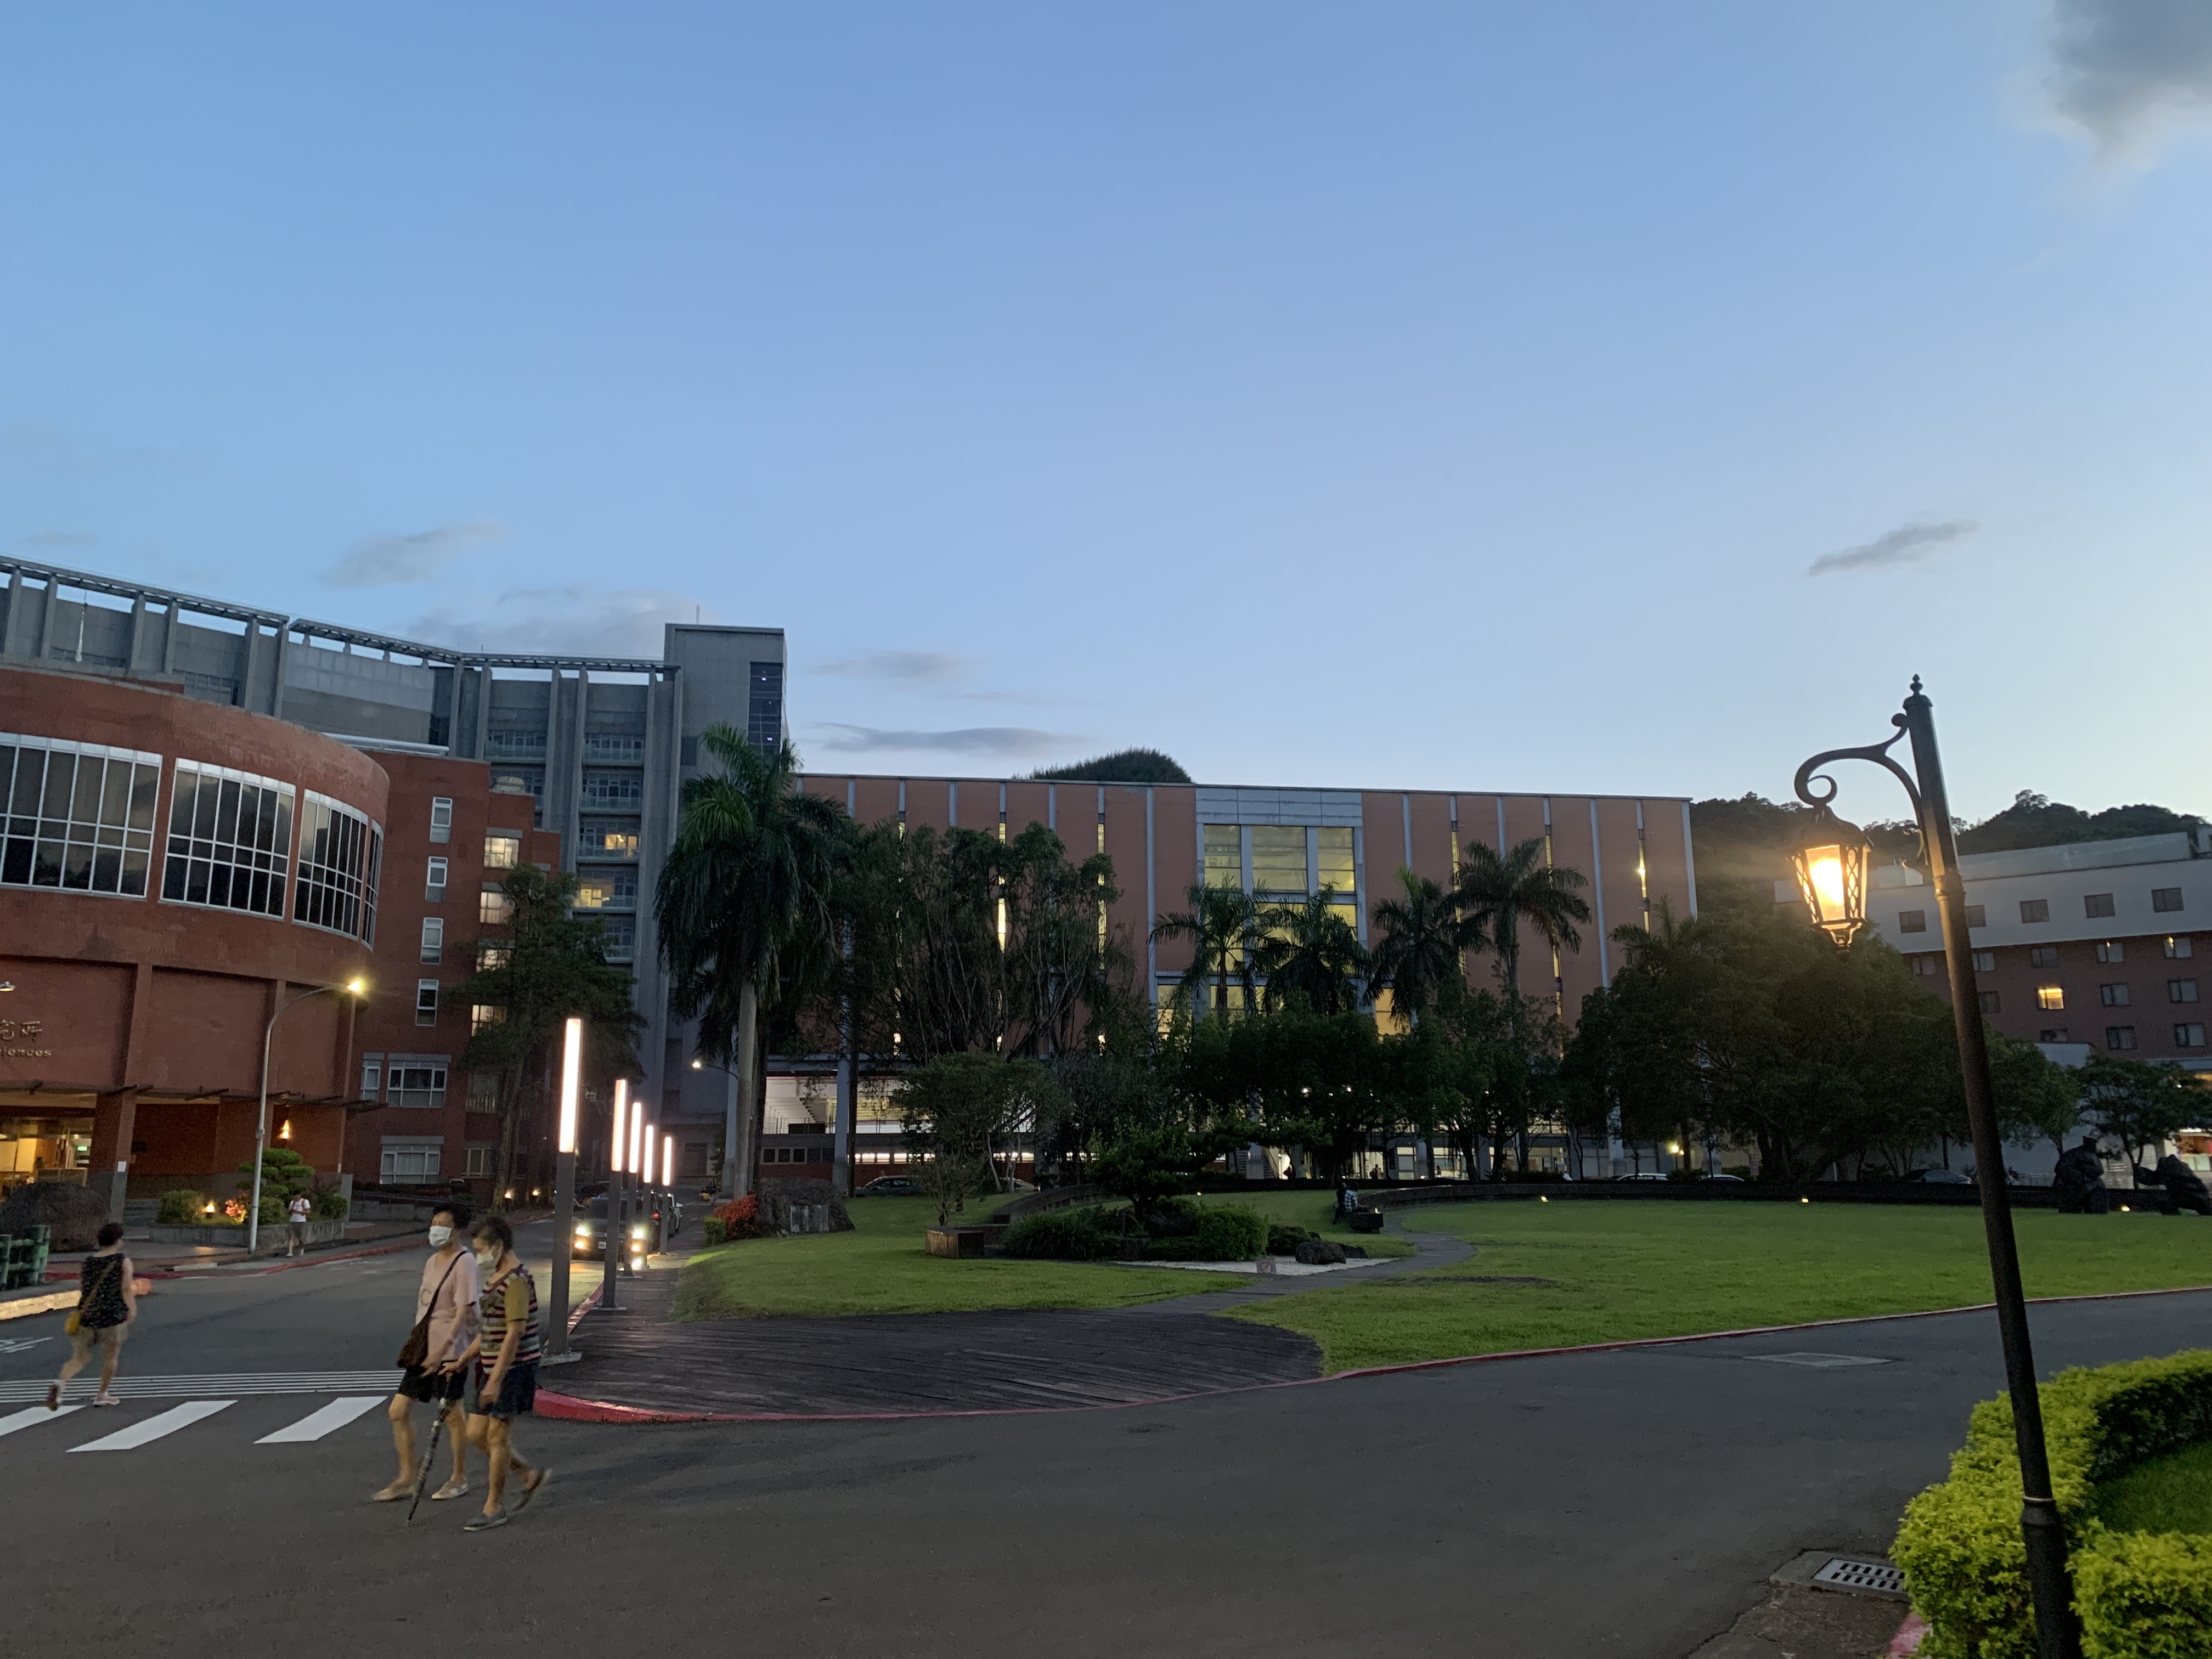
point(576, 1409)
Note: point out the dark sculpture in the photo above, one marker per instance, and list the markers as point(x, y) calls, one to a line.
point(2178, 1186)
point(2078, 1180)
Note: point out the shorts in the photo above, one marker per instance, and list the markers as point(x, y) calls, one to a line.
point(88, 1337)
point(518, 1391)
point(430, 1386)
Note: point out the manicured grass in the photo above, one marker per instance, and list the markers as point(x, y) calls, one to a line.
point(881, 1266)
point(1627, 1269)
point(1310, 1209)
point(2171, 1493)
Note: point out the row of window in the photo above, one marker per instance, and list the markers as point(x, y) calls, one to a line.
point(1283, 859)
point(2094, 906)
point(80, 817)
point(2052, 998)
point(2179, 947)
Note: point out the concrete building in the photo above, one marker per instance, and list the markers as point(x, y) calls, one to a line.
point(599, 744)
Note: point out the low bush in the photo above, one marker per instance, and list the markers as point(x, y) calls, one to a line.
point(2140, 1596)
point(1086, 1233)
point(331, 1203)
point(1221, 1234)
point(183, 1207)
point(713, 1231)
point(740, 1218)
point(1285, 1240)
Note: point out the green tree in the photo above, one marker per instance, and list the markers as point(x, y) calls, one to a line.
point(1497, 895)
point(961, 1111)
point(547, 968)
point(744, 907)
point(1419, 939)
point(2139, 1103)
point(1223, 927)
point(1310, 956)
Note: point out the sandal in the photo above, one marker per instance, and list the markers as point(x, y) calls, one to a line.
point(530, 1487)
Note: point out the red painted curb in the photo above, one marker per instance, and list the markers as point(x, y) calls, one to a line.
point(573, 1409)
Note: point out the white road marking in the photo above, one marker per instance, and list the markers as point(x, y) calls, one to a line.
point(36, 1414)
point(228, 1386)
point(1824, 1362)
point(322, 1420)
point(134, 1435)
point(17, 1344)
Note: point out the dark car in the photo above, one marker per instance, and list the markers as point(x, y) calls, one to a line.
point(889, 1186)
point(1941, 1178)
point(587, 1239)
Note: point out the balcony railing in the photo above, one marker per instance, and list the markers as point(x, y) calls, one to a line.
point(614, 751)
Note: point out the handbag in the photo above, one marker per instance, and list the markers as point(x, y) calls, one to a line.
point(416, 1348)
point(75, 1323)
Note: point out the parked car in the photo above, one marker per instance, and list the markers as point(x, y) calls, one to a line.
point(1941, 1178)
point(889, 1186)
point(1647, 1174)
point(587, 1238)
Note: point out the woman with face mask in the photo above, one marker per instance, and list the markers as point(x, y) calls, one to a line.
point(445, 1329)
point(506, 1354)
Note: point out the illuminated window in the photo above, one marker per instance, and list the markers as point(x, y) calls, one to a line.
point(434, 882)
point(608, 889)
point(230, 840)
point(340, 851)
point(2095, 905)
point(441, 818)
point(426, 1002)
point(2166, 898)
point(2181, 990)
point(1912, 921)
point(2111, 950)
point(1333, 849)
point(1225, 854)
point(482, 1014)
point(433, 939)
point(2035, 910)
point(494, 908)
point(2051, 998)
point(502, 852)
point(601, 838)
point(1278, 858)
point(2120, 1036)
point(489, 956)
point(2114, 996)
point(2177, 946)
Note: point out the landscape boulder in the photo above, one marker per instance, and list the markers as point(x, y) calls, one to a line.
point(801, 1205)
point(1320, 1253)
point(75, 1212)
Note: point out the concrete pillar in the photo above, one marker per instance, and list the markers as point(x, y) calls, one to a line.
point(114, 1120)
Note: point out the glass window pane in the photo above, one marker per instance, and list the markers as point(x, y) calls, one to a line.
point(30, 777)
point(61, 776)
point(1337, 870)
point(1278, 858)
point(1224, 855)
point(145, 787)
point(115, 794)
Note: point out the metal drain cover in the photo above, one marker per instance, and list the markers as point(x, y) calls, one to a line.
point(1874, 1576)
point(1818, 1361)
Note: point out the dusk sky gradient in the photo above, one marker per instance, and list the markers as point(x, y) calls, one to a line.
point(1393, 395)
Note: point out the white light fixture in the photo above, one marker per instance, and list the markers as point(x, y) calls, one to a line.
point(667, 1160)
point(622, 1105)
point(572, 1066)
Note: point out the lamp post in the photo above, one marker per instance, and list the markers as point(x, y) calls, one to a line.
point(1831, 870)
point(355, 986)
point(729, 1124)
point(617, 1228)
point(556, 1350)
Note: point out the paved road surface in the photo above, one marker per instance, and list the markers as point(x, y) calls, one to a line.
point(1623, 1504)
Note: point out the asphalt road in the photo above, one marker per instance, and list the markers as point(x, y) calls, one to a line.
point(1620, 1503)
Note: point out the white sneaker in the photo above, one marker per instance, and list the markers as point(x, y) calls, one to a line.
point(106, 1400)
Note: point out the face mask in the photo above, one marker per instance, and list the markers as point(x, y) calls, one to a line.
point(439, 1236)
point(487, 1259)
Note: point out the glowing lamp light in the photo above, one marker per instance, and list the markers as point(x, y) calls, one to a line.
point(622, 1105)
point(357, 987)
point(572, 1070)
point(697, 1064)
point(636, 1165)
point(1832, 874)
point(667, 1160)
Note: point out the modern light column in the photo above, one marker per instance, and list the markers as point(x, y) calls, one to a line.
point(617, 1226)
point(556, 1350)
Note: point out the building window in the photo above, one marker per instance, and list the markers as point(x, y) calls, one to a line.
point(494, 908)
point(1333, 861)
point(1278, 858)
point(502, 852)
point(2094, 905)
point(434, 882)
point(2181, 990)
point(614, 748)
point(598, 839)
point(419, 1088)
point(1224, 855)
point(1977, 915)
point(1989, 1003)
point(2035, 909)
point(2114, 996)
point(372, 1078)
point(764, 708)
point(514, 745)
point(482, 1014)
point(2113, 950)
point(2051, 998)
point(230, 840)
point(483, 1161)
point(1912, 921)
point(2177, 946)
point(408, 1164)
point(1985, 962)
point(483, 1091)
point(608, 889)
point(1927, 965)
point(441, 818)
point(2120, 1036)
point(2166, 898)
point(621, 937)
point(2043, 956)
point(433, 939)
point(78, 816)
point(426, 1002)
point(619, 791)
point(2051, 1034)
point(339, 853)
point(2189, 1036)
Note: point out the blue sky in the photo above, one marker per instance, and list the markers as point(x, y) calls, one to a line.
point(1451, 395)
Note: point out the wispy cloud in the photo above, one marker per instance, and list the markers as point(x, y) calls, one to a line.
point(2127, 71)
point(902, 667)
point(577, 620)
point(1908, 543)
point(59, 538)
point(966, 740)
point(389, 561)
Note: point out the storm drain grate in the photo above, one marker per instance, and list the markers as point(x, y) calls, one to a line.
point(1862, 1576)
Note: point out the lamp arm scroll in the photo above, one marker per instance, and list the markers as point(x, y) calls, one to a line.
point(1809, 776)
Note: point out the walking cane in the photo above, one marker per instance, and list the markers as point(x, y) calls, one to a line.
point(446, 1403)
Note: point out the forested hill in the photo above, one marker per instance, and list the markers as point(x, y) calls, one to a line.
point(1743, 845)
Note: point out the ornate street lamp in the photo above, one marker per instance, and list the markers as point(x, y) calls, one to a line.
point(1837, 898)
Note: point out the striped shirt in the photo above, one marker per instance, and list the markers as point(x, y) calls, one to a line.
point(504, 1298)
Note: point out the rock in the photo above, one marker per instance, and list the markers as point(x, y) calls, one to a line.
point(801, 1205)
point(1320, 1253)
point(75, 1212)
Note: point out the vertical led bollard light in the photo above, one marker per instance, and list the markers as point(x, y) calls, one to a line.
point(556, 1349)
point(640, 1180)
point(617, 1218)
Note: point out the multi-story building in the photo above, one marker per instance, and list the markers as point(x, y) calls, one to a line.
point(600, 745)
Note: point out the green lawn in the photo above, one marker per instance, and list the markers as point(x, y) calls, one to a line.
point(2171, 1493)
point(881, 1267)
point(1627, 1269)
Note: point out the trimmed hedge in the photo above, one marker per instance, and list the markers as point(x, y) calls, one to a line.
point(1186, 1232)
point(2140, 1596)
point(1284, 1240)
point(1075, 1234)
point(1222, 1234)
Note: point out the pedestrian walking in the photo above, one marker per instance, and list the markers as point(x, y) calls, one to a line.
point(296, 1244)
point(504, 1361)
point(107, 1303)
point(445, 1327)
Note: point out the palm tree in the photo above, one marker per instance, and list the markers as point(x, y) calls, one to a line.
point(1418, 950)
point(1497, 894)
point(744, 907)
point(1222, 925)
point(1310, 954)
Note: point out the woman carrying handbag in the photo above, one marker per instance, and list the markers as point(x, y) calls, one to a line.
point(107, 1303)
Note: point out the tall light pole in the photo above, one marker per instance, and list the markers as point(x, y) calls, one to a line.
point(355, 986)
point(556, 1350)
point(726, 1181)
point(1832, 870)
point(617, 1228)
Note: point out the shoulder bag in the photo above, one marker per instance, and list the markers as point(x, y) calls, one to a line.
point(417, 1349)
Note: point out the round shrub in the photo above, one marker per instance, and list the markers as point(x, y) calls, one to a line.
point(183, 1207)
point(1089, 1234)
point(1222, 1234)
point(1285, 1240)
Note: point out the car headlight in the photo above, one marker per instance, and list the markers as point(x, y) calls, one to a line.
point(583, 1232)
point(637, 1232)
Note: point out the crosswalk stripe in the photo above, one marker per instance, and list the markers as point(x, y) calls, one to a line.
point(152, 1428)
point(227, 1386)
point(24, 1420)
point(321, 1421)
